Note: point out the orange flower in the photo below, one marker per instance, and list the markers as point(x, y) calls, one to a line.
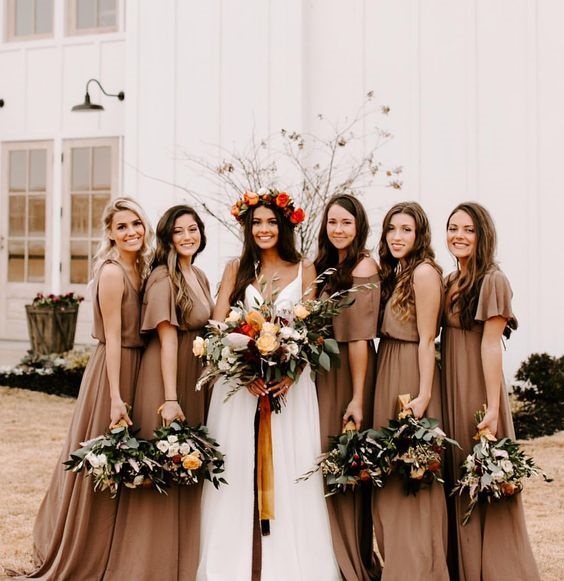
point(282, 199)
point(251, 198)
point(235, 210)
point(508, 488)
point(364, 475)
point(297, 216)
point(192, 461)
point(246, 329)
point(255, 320)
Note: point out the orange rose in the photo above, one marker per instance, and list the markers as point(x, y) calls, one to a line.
point(192, 461)
point(251, 198)
point(255, 320)
point(235, 210)
point(297, 216)
point(364, 475)
point(267, 344)
point(282, 199)
point(508, 488)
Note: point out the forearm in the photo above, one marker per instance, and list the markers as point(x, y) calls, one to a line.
point(358, 363)
point(426, 360)
point(169, 364)
point(113, 367)
point(492, 369)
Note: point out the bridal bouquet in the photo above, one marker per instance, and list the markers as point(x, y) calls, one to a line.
point(118, 458)
point(494, 470)
point(416, 448)
point(188, 454)
point(354, 457)
point(271, 341)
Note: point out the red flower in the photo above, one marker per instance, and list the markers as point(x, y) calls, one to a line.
point(282, 199)
point(176, 459)
point(297, 216)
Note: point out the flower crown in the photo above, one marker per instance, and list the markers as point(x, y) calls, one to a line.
point(268, 197)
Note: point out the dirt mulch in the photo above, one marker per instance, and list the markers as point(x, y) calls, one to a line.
point(33, 426)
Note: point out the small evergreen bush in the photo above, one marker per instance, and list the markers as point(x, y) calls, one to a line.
point(540, 396)
point(58, 374)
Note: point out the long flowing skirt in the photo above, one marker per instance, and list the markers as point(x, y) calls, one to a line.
point(299, 544)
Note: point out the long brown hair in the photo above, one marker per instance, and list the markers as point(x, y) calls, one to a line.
point(398, 281)
point(328, 255)
point(250, 261)
point(465, 298)
point(166, 254)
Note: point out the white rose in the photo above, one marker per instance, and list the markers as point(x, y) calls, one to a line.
point(286, 332)
point(172, 439)
point(163, 446)
point(507, 466)
point(270, 328)
point(226, 353)
point(184, 449)
point(173, 450)
point(223, 366)
point(138, 480)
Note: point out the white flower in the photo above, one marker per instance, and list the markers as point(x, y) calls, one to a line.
point(507, 466)
point(96, 460)
point(234, 316)
point(173, 450)
point(184, 449)
point(172, 439)
point(292, 348)
point(226, 353)
point(286, 333)
point(163, 446)
point(262, 191)
point(269, 328)
point(223, 365)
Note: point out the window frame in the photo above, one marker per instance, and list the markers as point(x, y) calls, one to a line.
point(10, 27)
point(71, 14)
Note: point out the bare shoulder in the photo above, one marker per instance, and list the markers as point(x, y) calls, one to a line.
point(425, 274)
point(111, 273)
point(231, 269)
point(366, 268)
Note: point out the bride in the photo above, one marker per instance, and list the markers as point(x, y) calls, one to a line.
point(299, 543)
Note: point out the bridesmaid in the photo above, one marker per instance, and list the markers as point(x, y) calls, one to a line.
point(494, 545)
point(411, 531)
point(347, 392)
point(159, 534)
point(74, 529)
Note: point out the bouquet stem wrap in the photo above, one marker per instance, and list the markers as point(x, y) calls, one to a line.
point(265, 466)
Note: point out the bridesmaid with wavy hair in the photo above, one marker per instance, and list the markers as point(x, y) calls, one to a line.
point(75, 526)
point(347, 392)
point(159, 534)
point(411, 531)
point(494, 545)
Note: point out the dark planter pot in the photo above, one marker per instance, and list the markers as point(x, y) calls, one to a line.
point(51, 329)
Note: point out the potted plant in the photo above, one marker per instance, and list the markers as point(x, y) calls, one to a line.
point(51, 322)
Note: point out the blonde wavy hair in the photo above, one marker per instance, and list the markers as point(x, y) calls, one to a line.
point(397, 281)
point(107, 248)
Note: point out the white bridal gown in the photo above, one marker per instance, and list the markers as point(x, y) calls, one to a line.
point(299, 545)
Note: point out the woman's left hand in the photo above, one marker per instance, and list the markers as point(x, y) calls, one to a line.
point(280, 388)
point(418, 406)
point(354, 413)
point(489, 422)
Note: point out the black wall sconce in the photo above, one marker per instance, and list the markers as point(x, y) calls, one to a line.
point(1, 103)
point(88, 105)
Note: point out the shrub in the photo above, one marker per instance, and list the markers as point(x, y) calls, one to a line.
point(540, 395)
point(58, 374)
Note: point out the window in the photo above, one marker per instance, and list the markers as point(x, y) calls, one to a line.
point(91, 16)
point(29, 19)
point(91, 175)
point(28, 186)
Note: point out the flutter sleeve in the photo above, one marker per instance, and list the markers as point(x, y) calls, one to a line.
point(158, 302)
point(495, 299)
point(360, 321)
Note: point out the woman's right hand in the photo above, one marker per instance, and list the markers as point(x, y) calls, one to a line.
point(118, 411)
point(258, 387)
point(170, 411)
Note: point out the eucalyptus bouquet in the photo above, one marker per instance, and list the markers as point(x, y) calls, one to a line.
point(118, 458)
point(187, 454)
point(416, 448)
point(353, 458)
point(494, 470)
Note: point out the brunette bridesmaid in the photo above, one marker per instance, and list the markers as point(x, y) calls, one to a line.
point(75, 526)
point(411, 531)
point(159, 534)
point(347, 392)
point(494, 545)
